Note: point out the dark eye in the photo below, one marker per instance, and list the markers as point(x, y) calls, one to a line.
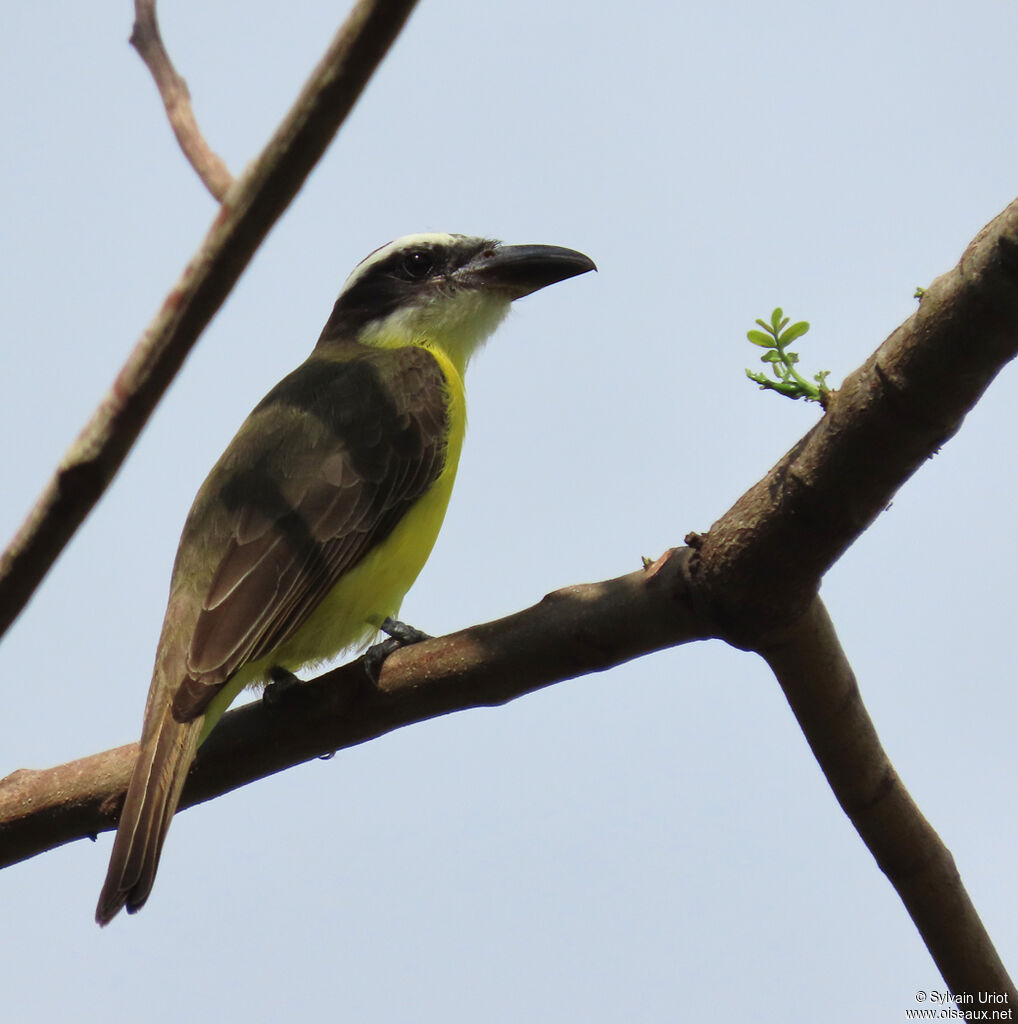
point(417, 265)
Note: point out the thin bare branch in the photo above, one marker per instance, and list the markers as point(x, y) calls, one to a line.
point(252, 206)
point(176, 97)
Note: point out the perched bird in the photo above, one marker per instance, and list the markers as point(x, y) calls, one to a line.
point(313, 524)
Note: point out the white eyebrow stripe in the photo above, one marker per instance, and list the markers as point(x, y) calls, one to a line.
point(383, 252)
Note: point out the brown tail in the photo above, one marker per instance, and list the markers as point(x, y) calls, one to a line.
point(152, 797)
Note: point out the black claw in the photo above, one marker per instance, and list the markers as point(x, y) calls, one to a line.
point(375, 655)
point(281, 682)
point(403, 633)
point(399, 635)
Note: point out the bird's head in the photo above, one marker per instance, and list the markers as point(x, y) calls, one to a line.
point(443, 291)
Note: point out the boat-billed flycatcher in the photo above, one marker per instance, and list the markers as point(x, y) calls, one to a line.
point(319, 515)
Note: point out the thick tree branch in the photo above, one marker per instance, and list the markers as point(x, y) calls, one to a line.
point(757, 571)
point(147, 40)
point(571, 632)
point(763, 560)
point(251, 207)
point(811, 666)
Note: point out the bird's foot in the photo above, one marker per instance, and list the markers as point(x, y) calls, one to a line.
point(281, 682)
point(399, 635)
point(402, 633)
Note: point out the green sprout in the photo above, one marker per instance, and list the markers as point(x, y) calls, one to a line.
point(776, 336)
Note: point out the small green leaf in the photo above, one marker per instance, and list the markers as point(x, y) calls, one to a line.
point(761, 339)
point(774, 356)
point(793, 332)
point(776, 318)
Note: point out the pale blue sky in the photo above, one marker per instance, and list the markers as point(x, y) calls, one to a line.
point(651, 844)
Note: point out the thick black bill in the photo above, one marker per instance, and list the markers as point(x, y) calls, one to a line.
point(522, 269)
